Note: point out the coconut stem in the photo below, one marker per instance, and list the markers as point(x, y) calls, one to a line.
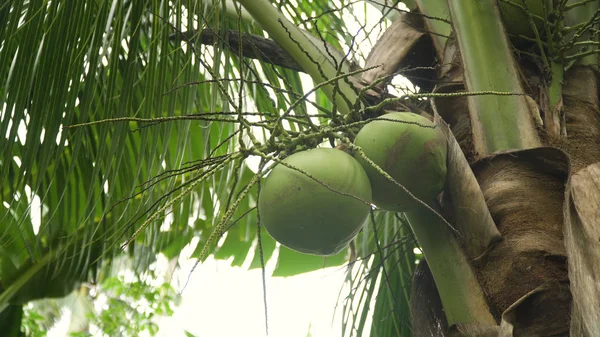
point(460, 292)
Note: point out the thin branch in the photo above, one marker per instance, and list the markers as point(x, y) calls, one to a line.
point(252, 46)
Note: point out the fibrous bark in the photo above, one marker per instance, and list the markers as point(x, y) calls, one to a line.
point(428, 318)
point(582, 240)
point(524, 192)
point(404, 47)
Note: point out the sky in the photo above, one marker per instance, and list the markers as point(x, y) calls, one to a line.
point(224, 301)
point(228, 301)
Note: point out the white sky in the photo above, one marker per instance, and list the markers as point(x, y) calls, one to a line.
point(224, 301)
point(228, 301)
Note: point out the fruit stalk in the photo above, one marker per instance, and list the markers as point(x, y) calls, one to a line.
point(460, 292)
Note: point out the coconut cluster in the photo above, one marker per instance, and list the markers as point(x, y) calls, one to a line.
point(317, 200)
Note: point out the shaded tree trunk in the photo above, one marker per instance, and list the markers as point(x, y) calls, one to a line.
point(526, 273)
point(528, 276)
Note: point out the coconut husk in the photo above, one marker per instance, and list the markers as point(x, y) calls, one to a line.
point(524, 191)
point(427, 313)
point(464, 202)
point(523, 319)
point(533, 315)
point(406, 48)
point(455, 112)
point(451, 71)
point(515, 320)
point(582, 117)
point(582, 241)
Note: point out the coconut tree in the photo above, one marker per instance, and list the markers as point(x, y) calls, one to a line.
point(139, 127)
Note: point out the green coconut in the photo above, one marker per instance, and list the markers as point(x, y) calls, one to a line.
point(415, 156)
point(516, 20)
point(306, 216)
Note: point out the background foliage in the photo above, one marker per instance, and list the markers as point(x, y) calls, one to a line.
point(167, 163)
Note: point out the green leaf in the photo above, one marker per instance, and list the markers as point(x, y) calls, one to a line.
point(10, 321)
point(268, 247)
point(291, 262)
point(386, 246)
point(174, 241)
point(236, 245)
point(240, 236)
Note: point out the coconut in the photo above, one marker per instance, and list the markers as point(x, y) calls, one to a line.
point(411, 151)
point(307, 216)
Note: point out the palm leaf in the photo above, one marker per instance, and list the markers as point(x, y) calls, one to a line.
point(133, 142)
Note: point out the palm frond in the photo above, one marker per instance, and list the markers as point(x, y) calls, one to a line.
point(121, 132)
